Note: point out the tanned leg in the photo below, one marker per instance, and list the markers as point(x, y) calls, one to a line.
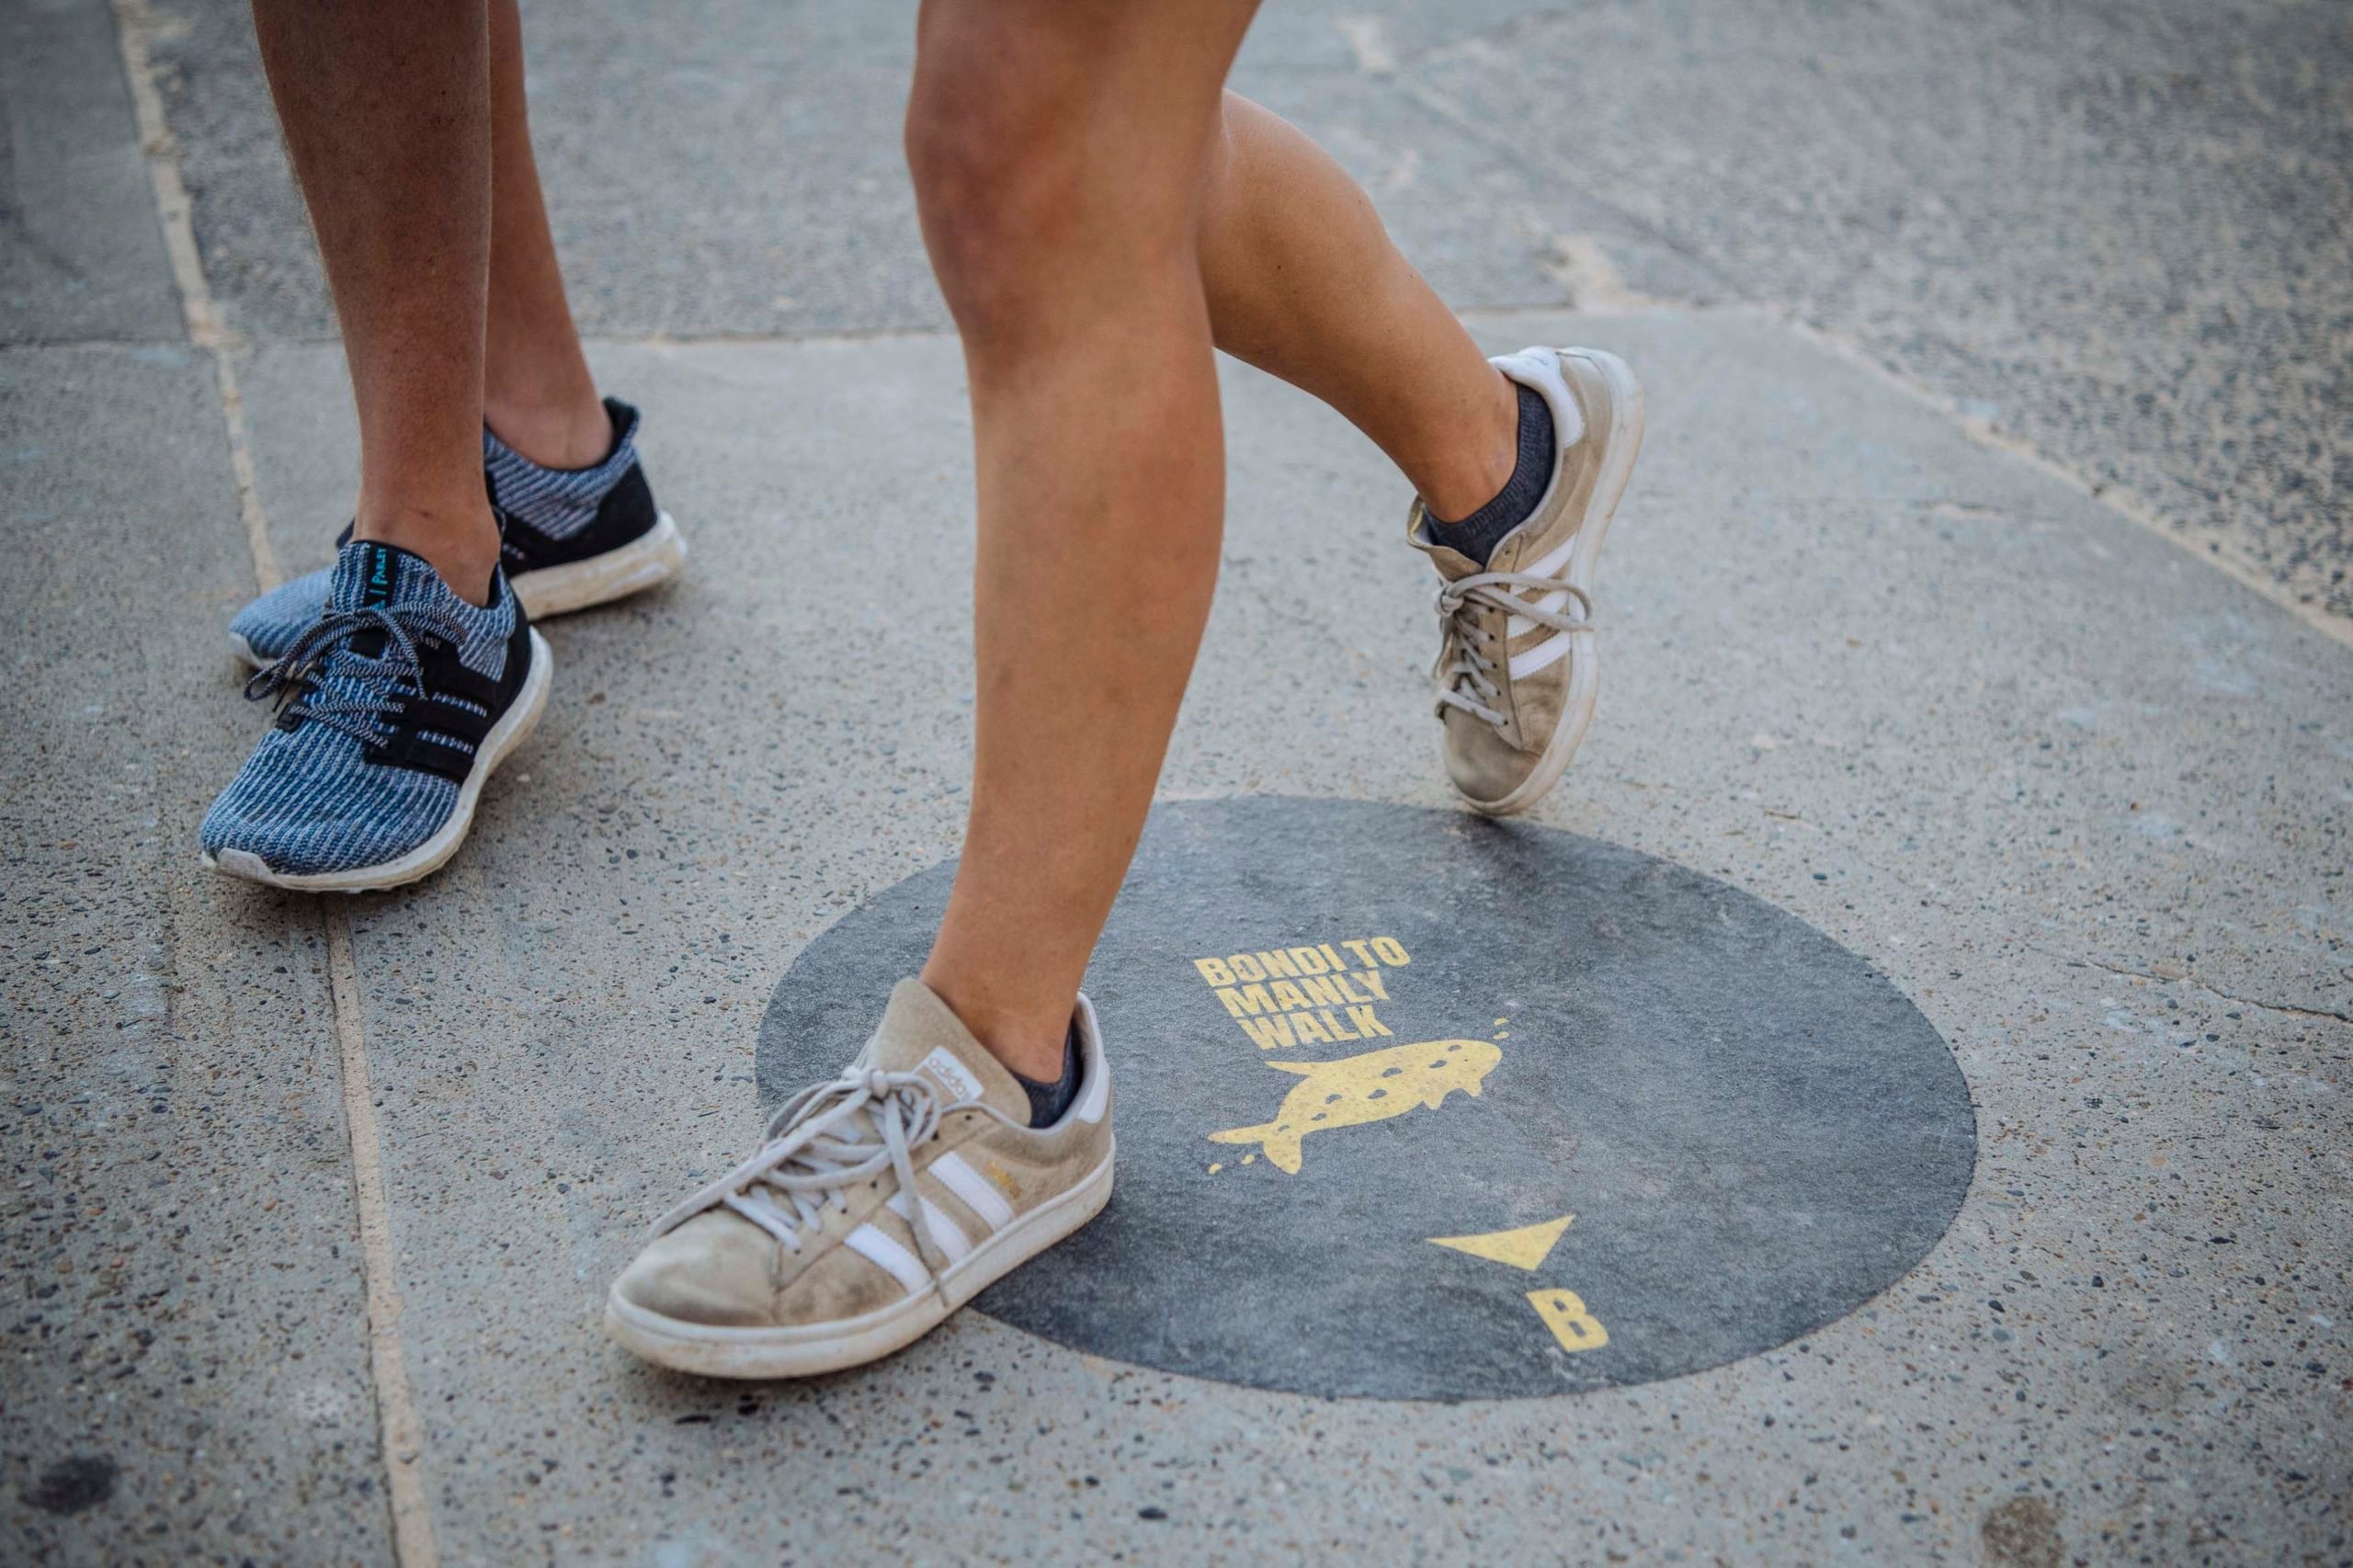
point(1088, 290)
point(1060, 150)
point(386, 110)
point(1303, 282)
point(537, 391)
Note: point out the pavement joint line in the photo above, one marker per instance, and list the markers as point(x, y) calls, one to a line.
point(401, 1431)
point(1979, 431)
point(134, 24)
point(203, 328)
point(2114, 497)
point(91, 346)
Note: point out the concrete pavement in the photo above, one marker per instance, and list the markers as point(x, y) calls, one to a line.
point(2111, 232)
point(2080, 798)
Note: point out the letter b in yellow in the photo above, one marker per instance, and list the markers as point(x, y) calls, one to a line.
point(1564, 1313)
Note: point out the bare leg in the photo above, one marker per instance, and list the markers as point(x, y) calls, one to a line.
point(1303, 283)
point(537, 391)
point(386, 109)
point(1088, 288)
point(1072, 271)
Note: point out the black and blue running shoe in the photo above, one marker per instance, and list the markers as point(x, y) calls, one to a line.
point(395, 704)
point(571, 537)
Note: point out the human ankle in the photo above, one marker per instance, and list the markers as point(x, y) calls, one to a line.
point(1033, 1055)
point(1028, 1044)
point(1465, 474)
point(1475, 534)
point(459, 540)
point(569, 432)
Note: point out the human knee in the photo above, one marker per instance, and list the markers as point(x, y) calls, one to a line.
point(997, 178)
point(1026, 181)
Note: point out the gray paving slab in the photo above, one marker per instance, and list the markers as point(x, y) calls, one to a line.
point(181, 1312)
point(81, 257)
point(724, 169)
point(2101, 227)
point(2114, 231)
point(2082, 800)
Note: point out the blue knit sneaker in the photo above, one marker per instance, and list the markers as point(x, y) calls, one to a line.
point(571, 537)
point(394, 705)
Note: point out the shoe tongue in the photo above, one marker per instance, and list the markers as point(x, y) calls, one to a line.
point(1452, 563)
point(920, 1033)
point(369, 573)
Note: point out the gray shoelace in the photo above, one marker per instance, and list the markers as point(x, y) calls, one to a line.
point(354, 692)
point(1467, 661)
point(824, 1142)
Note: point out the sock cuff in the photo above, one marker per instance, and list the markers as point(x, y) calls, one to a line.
point(558, 501)
point(1477, 535)
point(1049, 1101)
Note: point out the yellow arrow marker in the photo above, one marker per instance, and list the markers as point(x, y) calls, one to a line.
point(1524, 1248)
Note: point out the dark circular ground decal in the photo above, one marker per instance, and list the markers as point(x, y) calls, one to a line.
point(1412, 1104)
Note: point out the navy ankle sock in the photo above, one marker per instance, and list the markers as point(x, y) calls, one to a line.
point(1477, 535)
point(1048, 1101)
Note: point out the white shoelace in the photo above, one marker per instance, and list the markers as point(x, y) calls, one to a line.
point(824, 1142)
point(1465, 671)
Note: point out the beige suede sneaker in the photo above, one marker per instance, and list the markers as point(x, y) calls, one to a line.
point(1517, 667)
point(878, 1204)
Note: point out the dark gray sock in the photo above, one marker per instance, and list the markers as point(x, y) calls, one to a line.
point(1048, 1101)
point(1477, 535)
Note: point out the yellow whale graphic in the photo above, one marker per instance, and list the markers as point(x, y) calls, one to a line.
point(1371, 1087)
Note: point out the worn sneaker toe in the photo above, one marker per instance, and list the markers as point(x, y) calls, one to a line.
point(718, 1270)
point(1483, 767)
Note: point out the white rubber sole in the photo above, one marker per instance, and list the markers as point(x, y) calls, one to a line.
point(651, 558)
point(1621, 443)
point(429, 857)
point(809, 1349)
